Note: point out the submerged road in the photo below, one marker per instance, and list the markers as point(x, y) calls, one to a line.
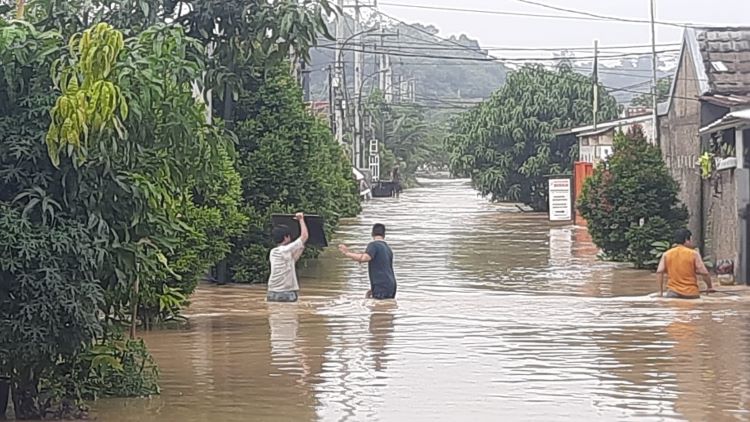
point(499, 317)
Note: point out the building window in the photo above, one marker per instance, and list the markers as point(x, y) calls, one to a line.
point(746, 148)
point(723, 144)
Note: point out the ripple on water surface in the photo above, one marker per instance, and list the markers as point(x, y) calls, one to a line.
point(499, 316)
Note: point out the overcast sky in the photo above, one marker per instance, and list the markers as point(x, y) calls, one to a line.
point(508, 31)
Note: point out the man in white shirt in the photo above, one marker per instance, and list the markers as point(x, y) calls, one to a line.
point(282, 283)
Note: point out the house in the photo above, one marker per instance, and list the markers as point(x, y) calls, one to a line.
point(595, 143)
point(711, 84)
point(320, 108)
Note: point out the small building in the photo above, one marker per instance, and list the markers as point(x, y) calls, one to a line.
point(711, 83)
point(595, 143)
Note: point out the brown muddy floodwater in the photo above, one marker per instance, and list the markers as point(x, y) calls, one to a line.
point(499, 317)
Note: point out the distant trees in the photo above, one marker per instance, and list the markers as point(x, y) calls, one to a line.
point(407, 138)
point(663, 86)
point(507, 143)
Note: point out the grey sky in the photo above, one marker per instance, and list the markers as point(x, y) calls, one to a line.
point(493, 30)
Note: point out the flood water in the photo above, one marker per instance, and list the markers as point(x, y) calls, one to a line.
point(499, 316)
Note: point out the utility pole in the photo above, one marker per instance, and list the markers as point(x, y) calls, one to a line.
point(596, 82)
point(305, 74)
point(385, 77)
point(338, 85)
point(358, 75)
point(655, 82)
point(331, 99)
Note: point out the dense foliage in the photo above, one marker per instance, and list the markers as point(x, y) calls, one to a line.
point(406, 138)
point(507, 144)
point(630, 202)
point(118, 193)
point(288, 161)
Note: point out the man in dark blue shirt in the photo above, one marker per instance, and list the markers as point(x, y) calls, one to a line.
point(379, 258)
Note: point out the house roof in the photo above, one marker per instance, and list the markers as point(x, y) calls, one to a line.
point(604, 126)
point(726, 58)
point(722, 59)
point(741, 117)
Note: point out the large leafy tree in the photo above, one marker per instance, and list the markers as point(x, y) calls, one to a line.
point(631, 201)
point(507, 144)
point(106, 186)
point(49, 281)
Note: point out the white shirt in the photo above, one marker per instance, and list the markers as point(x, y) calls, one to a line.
point(283, 276)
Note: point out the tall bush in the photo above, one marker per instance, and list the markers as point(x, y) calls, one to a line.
point(289, 161)
point(631, 201)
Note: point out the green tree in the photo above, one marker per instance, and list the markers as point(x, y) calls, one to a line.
point(663, 86)
point(289, 161)
point(49, 280)
point(406, 137)
point(631, 201)
point(116, 183)
point(507, 144)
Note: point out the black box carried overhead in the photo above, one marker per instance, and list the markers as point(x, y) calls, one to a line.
point(315, 224)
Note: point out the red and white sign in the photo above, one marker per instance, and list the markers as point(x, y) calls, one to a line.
point(560, 200)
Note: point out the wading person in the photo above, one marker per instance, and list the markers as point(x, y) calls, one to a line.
point(282, 283)
point(680, 267)
point(396, 179)
point(379, 259)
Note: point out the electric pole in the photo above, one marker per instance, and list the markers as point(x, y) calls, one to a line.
point(338, 84)
point(655, 82)
point(358, 75)
point(305, 74)
point(331, 99)
point(596, 82)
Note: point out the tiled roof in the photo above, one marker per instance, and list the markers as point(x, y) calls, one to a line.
point(725, 53)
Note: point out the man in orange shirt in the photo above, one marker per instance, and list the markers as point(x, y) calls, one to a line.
point(682, 265)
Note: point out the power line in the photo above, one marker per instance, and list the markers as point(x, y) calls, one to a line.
point(482, 50)
point(488, 58)
point(428, 33)
point(585, 16)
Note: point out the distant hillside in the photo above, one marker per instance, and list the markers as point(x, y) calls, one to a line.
point(632, 75)
point(419, 55)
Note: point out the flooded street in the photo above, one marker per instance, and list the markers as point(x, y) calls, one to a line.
point(498, 317)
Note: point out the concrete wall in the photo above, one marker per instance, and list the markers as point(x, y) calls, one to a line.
point(680, 142)
point(721, 219)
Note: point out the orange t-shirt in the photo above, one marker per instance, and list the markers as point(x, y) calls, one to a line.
point(682, 265)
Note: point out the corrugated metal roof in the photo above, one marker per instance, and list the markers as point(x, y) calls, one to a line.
point(603, 126)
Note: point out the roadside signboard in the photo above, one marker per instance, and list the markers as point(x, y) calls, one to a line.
point(560, 200)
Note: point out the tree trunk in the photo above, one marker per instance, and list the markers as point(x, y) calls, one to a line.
point(228, 116)
point(134, 308)
point(25, 392)
point(4, 395)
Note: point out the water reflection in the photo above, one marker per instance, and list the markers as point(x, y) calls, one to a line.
point(500, 316)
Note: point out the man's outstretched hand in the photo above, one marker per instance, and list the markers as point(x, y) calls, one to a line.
point(299, 216)
point(344, 249)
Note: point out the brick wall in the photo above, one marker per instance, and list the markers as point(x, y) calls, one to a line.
point(681, 144)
